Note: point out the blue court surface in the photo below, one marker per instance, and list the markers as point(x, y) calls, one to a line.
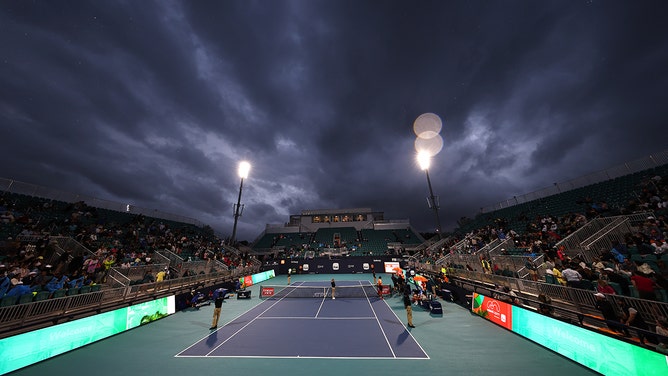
point(285, 327)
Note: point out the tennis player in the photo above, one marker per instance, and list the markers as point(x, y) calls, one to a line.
point(333, 288)
point(409, 308)
point(218, 296)
point(380, 287)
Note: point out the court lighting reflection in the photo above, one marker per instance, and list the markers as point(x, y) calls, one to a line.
point(424, 161)
point(244, 169)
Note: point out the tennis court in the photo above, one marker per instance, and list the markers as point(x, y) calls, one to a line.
point(303, 321)
point(458, 343)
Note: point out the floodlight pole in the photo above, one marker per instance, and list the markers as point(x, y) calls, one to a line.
point(434, 204)
point(236, 213)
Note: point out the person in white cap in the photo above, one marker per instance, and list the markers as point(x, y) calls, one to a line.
point(611, 319)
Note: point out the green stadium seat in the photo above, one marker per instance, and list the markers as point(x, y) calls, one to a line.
point(8, 301)
point(26, 298)
point(42, 295)
point(662, 295)
point(616, 286)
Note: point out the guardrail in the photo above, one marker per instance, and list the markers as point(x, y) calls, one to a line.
point(582, 301)
point(21, 318)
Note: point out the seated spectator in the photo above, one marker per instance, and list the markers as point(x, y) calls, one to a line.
point(18, 289)
point(662, 331)
point(557, 274)
point(56, 283)
point(644, 285)
point(598, 265)
point(545, 305)
point(5, 284)
point(618, 251)
point(612, 276)
point(644, 268)
point(612, 321)
point(508, 296)
point(663, 268)
point(603, 287)
point(571, 276)
point(632, 318)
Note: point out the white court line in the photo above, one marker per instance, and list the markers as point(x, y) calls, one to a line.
point(314, 318)
point(230, 321)
point(321, 304)
point(380, 326)
point(243, 327)
point(410, 334)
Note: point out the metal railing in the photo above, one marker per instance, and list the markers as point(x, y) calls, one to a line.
point(581, 300)
point(21, 318)
point(598, 235)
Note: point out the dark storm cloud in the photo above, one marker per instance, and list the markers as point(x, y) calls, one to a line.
point(154, 103)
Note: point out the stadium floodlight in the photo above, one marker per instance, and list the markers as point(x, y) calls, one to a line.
point(424, 160)
point(244, 169)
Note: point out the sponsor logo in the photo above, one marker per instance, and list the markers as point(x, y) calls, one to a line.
point(335, 266)
point(305, 267)
point(365, 266)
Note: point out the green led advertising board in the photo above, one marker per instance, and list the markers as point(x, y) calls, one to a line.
point(28, 348)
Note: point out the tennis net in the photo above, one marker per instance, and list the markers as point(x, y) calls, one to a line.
point(361, 291)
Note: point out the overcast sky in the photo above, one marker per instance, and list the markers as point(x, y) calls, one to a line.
point(155, 103)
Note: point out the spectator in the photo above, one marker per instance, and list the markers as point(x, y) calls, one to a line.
point(531, 267)
point(632, 318)
point(5, 284)
point(617, 250)
point(603, 287)
point(557, 274)
point(598, 265)
point(545, 305)
point(18, 289)
point(623, 283)
point(662, 331)
point(644, 285)
point(56, 283)
point(611, 319)
point(571, 276)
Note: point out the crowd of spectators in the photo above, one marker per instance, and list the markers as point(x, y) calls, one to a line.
point(29, 264)
point(635, 266)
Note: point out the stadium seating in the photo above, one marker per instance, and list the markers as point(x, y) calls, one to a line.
point(8, 301)
point(25, 298)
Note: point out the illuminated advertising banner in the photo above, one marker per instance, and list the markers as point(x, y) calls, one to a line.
point(267, 292)
point(386, 290)
point(390, 266)
point(599, 352)
point(250, 280)
point(493, 310)
point(28, 348)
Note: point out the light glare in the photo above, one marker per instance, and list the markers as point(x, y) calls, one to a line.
point(244, 168)
point(424, 159)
